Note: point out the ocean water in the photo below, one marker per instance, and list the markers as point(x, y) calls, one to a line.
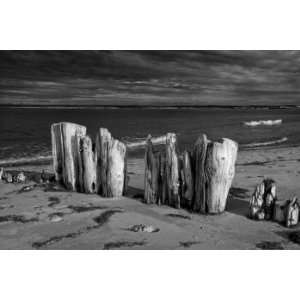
point(25, 132)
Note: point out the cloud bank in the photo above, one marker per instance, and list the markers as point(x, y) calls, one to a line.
point(150, 77)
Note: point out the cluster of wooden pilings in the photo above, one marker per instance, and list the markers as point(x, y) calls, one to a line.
point(88, 167)
point(198, 180)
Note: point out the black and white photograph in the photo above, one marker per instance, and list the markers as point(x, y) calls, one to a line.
point(149, 150)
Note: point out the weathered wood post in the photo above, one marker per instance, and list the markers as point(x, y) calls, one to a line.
point(151, 184)
point(187, 180)
point(214, 165)
point(220, 168)
point(201, 176)
point(172, 171)
point(65, 152)
point(117, 169)
point(103, 147)
point(87, 166)
point(262, 203)
point(110, 165)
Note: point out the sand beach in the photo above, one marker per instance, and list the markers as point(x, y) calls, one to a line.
point(48, 217)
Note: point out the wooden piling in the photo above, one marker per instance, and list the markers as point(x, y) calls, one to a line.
point(103, 147)
point(151, 184)
point(201, 176)
point(116, 179)
point(110, 165)
point(65, 154)
point(187, 180)
point(88, 166)
point(220, 170)
point(172, 171)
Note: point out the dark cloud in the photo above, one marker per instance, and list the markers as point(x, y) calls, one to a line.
point(150, 77)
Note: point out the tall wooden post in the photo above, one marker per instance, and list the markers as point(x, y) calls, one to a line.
point(88, 166)
point(201, 179)
point(220, 168)
point(110, 165)
point(151, 184)
point(65, 154)
point(116, 179)
point(172, 171)
point(103, 147)
point(187, 180)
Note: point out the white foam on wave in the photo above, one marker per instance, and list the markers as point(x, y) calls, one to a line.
point(264, 122)
point(274, 142)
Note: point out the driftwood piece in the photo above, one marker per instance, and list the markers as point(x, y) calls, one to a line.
point(292, 214)
point(116, 178)
point(220, 167)
point(151, 185)
point(65, 152)
point(256, 209)
point(104, 142)
point(201, 177)
point(187, 180)
point(262, 204)
point(87, 166)
point(172, 171)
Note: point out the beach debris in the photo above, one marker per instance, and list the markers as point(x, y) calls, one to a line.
point(287, 212)
point(143, 228)
point(292, 214)
point(56, 217)
point(261, 206)
point(1, 173)
point(27, 188)
point(21, 178)
point(7, 177)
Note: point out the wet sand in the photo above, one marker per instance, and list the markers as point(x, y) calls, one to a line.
point(46, 218)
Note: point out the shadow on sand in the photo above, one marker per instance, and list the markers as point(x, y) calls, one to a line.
point(237, 202)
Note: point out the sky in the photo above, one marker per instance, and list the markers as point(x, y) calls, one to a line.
point(150, 77)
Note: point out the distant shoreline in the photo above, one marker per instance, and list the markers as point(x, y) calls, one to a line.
point(265, 107)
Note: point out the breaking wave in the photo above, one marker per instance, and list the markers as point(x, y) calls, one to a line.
point(263, 122)
point(274, 142)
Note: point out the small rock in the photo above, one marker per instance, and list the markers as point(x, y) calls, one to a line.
point(21, 177)
point(26, 188)
point(150, 229)
point(55, 218)
point(7, 177)
point(143, 228)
